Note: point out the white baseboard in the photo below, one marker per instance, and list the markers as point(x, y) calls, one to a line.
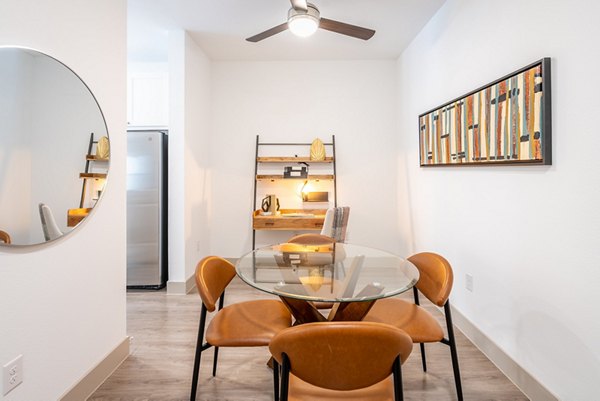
point(181, 287)
point(530, 386)
point(90, 382)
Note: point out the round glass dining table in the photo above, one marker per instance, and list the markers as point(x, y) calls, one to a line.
point(353, 277)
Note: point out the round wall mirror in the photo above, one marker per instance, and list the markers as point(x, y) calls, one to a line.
point(54, 153)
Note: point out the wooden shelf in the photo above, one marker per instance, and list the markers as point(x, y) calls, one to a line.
point(95, 158)
point(269, 167)
point(92, 175)
point(74, 216)
point(280, 177)
point(312, 221)
point(277, 159)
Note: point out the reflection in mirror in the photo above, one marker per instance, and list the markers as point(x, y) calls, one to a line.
point(52, 157)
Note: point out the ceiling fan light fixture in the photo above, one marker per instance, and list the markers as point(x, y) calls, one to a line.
point(304, 19)
point(304, 23)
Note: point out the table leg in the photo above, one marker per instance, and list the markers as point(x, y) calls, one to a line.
point(350, 311)
point(303, 311)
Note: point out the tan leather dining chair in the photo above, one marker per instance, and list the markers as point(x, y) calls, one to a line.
point(435, 282)
point(341, 361)
point(311, 239)
point(244, 324)
point(4, 237)
point(314, 239)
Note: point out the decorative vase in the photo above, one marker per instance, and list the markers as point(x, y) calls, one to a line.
point(270, 204)
point(317, 150)
point(102, 148)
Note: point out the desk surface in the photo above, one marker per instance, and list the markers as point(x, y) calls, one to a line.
point(289, 219)
point(74, 216)
point(330, 273)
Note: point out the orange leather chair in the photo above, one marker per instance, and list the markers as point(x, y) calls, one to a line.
point(341, 361)
point(244, 324)
point(311, 239)
point(4, 237)
point(435, 282)
point(314, 239)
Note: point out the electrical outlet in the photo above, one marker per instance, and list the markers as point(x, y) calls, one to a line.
point(12, 374)
point(469, 282)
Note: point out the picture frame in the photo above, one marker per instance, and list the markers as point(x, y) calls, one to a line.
point(505, 122)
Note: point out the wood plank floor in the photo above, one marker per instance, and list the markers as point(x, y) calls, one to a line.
point(164, 333)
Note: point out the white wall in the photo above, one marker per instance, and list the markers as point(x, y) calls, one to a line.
point(189, 173)
point(196, 155)
point(297, 102)
point(176, 165)
point(528, 235)
point(147, 94)
point(64, 303)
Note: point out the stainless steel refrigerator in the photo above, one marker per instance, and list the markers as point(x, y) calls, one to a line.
point(146, 209)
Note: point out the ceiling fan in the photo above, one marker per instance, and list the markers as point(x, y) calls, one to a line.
point(304, 19)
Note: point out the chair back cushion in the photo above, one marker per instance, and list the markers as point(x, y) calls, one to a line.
point(213, 274)
point(341, 355)
point(435, 276)
point(311, 239)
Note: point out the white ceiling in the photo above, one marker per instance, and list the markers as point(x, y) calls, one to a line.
point(220, 28)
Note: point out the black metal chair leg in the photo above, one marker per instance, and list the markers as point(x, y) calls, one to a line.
point(285, 377)
point(423, 359)
point(195, 374)
point(275, 380)
point(199, 350)
point(397, 371)
point(453, 353)
point(215, 361)
point(421, 345)
point(216, 358)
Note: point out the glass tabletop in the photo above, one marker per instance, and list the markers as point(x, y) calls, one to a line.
point(327, 273)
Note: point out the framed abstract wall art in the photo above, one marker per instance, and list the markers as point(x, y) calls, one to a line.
point(505, 122)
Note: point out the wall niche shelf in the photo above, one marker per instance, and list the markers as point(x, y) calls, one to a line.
point(291, 219)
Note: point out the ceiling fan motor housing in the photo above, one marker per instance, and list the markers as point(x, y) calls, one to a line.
point(310, 16)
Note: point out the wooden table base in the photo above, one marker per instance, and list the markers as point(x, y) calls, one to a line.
point(303, 311)
point(306, 312)
point(350, 311)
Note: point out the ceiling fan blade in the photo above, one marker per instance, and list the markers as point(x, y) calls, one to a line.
point(268, 33)
point(346, 29)
point(299, 5)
